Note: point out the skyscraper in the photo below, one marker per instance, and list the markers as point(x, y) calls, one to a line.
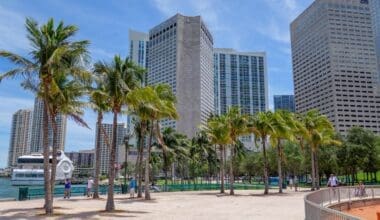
point(284, 102)
point(20, 136)
point(138, 47)
point(105, 141)
point(37, 129)
point(375, 11)
point(335, 65)
point(180, 54)
point(240, 79)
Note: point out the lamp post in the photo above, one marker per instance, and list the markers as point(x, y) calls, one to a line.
point(126, 142)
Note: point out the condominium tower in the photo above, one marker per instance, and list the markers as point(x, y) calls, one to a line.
point(335, 65)
point(138, 47)
point(36, 144)
point(240, 79)
point(284, 102)
point(20, 136)
point(375, 11)
point(106, 142)
point(180, 54)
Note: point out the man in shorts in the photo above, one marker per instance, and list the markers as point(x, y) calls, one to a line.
point(132, 187)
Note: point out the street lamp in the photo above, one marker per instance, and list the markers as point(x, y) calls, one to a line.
point(126, 142)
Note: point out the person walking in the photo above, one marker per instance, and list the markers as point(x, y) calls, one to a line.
point(295, 182)
point(291, 182)
point(67, 189)
point(132, 187)
point(333, 181)
point(90, 182)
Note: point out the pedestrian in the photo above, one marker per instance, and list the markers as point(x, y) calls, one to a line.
point(132, 187)
point(333, 181)
point(291, 182)
point(67, 189)
point(90, 182)
point(295, 181)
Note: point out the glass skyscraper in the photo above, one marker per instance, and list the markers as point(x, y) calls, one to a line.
point(138, 47)
point(240, 79)
point(284, 102)
point(375, 11)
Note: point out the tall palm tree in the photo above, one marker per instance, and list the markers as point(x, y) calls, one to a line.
point(53, 52)
point(283, 123)
point(261, 125)
point(315, 130)
point(238, 126)
point(218, 131)
point(98, 102)
point(119, 79)
point(152, 104)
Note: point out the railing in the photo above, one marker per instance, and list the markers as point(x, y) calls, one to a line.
point(318, 204)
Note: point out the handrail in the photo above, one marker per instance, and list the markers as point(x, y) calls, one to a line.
point(318, 203)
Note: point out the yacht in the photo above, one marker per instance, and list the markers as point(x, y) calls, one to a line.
point(30, 170)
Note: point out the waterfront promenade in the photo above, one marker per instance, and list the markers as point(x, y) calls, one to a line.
point(246, 204)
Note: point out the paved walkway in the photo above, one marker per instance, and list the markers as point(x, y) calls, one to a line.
point(246, 204)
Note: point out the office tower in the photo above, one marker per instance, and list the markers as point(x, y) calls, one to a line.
point(240, 79)
point(180, 54)
point(138, 47)
point(284, 102)
point(106, 143)
point(20, 136)
point(36, 144)
point(335, 65)
point(375, 11)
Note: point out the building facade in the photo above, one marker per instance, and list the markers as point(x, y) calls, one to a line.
point(106, 142)
point(83, 162)
point(138, 42)
point(19, 144)
point(335, 65)
point(240, 79)
point(284, 102)
point(180, 54)
point(36, 144)
point(375, 11)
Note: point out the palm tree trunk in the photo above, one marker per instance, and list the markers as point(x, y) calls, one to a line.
point(279, 167)
point(97, 156)
point(45, 142)
point(141, 152)
point(147, 167)
point(54, 156)
point(316, 170)
point(312, 170)
point(110, 206)
point(232, 170)
point(221, 169)
point(266, 184)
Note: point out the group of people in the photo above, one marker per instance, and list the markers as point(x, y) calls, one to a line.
point(293, 182)
point(359, 189)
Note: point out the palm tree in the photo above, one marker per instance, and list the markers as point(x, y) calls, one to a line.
point(261, 125)
point(119, 79)
point(315, 130)
point(152, 104)
point(53, 52)
point(98, 102)
point(238, 126)
point(218, 131)
point(283, 123)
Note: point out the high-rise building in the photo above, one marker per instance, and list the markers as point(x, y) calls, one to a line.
point(284, 102)
point(335, 65)
point(240, 79)
point(138, 47)
point(375, 11)
point(20, 136)
point(180, 54)
point(106, 142)
point(83, 162)
point(36, 144)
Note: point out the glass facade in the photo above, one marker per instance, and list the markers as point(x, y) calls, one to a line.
point(284, 102)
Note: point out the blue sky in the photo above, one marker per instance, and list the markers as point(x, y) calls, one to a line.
point(246, 25)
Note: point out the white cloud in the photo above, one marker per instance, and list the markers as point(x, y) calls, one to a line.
point(274, 30)
point(12, 29)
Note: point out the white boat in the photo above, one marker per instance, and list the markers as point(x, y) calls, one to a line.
point(30, 169)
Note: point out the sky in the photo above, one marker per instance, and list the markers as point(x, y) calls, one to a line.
point(244, 25)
